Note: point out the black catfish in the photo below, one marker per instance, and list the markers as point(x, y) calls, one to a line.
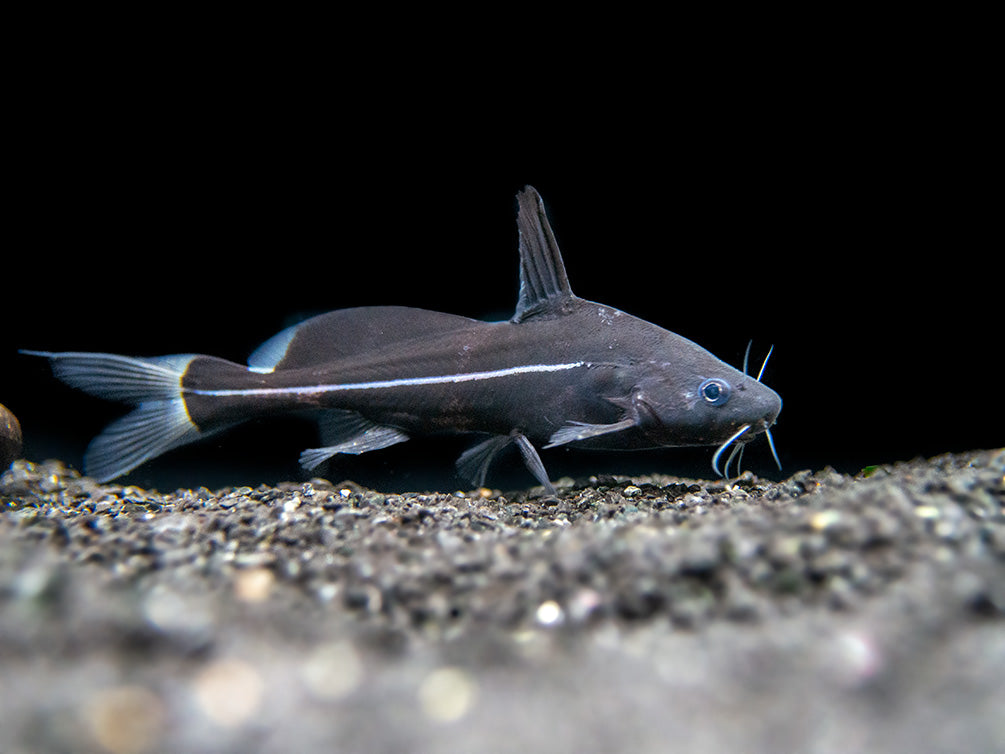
point(562, 371)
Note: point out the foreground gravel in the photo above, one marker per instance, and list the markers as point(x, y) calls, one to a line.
point(824, 613)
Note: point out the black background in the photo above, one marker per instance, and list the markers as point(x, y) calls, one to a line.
point(853, 230)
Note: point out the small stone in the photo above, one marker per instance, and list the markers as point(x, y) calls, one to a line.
point(229, 692)
point(254, 585)
point(825, 519)
point(549, 613)
point(333, 671)
point(126, 719)
point(447, 694)
point(10, 437)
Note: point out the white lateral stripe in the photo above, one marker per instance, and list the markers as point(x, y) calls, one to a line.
point(404, 382)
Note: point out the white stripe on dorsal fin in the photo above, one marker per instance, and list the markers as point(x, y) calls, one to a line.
point(267, 356)
point(544, 286)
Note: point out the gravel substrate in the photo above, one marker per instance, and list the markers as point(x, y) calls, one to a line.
point(824, 613)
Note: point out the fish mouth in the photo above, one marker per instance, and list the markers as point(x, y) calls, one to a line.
point(739, 440)
point(771, 404)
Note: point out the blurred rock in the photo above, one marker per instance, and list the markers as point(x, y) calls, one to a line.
point(10, 437)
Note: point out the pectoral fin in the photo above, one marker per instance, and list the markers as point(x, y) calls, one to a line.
point(349, 432)
point(575, 431)
point(474, 462)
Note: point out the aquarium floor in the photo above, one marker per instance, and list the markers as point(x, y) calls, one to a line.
point(823, 613)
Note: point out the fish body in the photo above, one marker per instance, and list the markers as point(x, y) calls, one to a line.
point(563, 370)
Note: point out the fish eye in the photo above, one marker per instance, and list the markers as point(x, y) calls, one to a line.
point(714, 391)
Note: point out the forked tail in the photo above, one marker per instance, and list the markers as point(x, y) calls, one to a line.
point(160, 421)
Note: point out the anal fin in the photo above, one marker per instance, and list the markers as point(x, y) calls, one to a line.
point(349, 432)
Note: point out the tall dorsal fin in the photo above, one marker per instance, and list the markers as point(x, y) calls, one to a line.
point(544, 286)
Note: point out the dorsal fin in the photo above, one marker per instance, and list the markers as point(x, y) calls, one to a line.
point(544, 286)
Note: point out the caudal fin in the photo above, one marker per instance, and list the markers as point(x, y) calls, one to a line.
point(160, 421)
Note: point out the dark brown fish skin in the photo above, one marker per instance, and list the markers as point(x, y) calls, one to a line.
point(10, 437)
point(622, 357)
point(563, 370)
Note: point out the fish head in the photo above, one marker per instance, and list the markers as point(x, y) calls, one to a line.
point(696, 399)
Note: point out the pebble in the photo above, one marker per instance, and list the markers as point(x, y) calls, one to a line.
point(229, 692)
point(447, 694)
point(126, 719)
